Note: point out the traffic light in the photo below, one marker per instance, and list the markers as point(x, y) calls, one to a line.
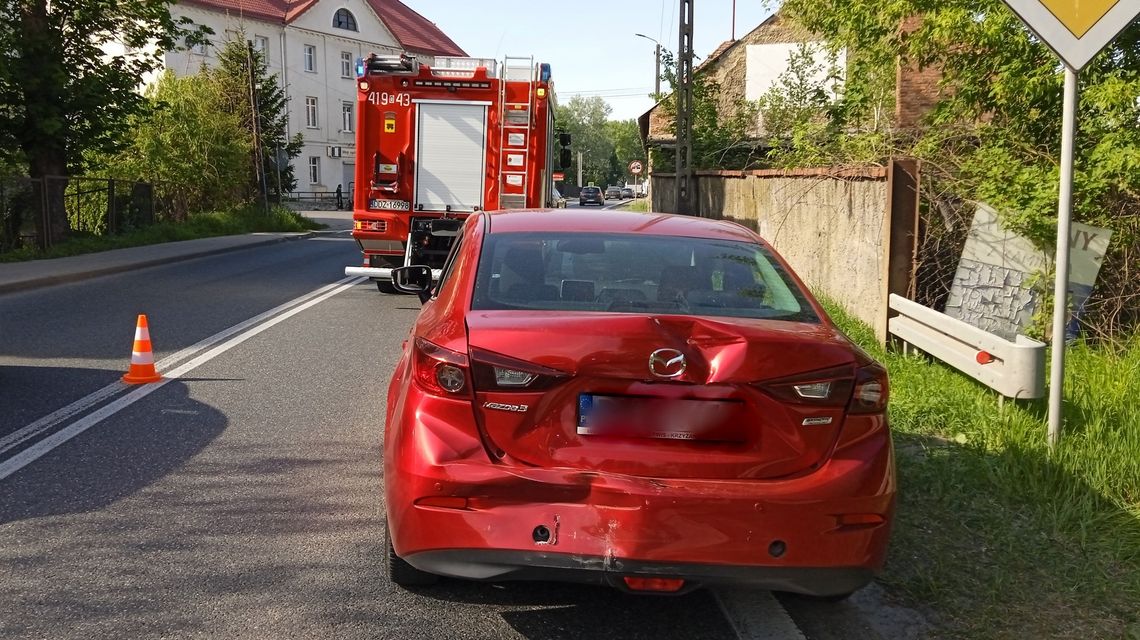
point(565, 158)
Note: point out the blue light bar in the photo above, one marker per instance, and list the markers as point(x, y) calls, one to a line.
point(360, 67)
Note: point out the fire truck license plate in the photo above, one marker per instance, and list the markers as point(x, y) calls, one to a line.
point(395, 205)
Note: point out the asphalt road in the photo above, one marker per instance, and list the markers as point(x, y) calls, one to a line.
point(242, 499)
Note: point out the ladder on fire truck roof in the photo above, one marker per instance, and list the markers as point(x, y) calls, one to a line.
point(517, 119)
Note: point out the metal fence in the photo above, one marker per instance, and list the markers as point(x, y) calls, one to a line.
point(91, 206)
point(318, 200)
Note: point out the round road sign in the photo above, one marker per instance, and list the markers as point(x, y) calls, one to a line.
point(635, 167)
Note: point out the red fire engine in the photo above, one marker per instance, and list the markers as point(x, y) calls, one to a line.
point(436, 143)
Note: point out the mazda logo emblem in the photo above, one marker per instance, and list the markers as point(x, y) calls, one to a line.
point(667, 363)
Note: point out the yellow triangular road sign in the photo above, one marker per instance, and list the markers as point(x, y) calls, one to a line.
point(1076, 29)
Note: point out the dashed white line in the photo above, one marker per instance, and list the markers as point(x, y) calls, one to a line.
point(228, 339)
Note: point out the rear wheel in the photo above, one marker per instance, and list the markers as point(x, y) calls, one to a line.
point(386, 286)
point(399, 571)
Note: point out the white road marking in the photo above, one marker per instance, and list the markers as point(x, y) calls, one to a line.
point(48, 422)
point(251, 327)
point(756, 615)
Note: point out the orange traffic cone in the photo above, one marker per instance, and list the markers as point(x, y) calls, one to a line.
point(142, 359)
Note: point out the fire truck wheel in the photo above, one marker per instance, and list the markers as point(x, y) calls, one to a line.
point(385, 286)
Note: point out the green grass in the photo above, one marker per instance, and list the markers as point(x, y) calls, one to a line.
point(201, 225)
point(996, 535)
point(640, 204)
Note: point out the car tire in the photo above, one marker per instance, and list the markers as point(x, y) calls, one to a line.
point(399, 571)
point(386, 286)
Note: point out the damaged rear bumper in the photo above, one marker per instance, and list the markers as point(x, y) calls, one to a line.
point(487, 564)
point(454, 512)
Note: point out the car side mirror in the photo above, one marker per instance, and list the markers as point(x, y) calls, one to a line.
point(415, 279)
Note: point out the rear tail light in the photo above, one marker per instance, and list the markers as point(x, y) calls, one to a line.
point(440, 371)
point(861, 389)
point(495, 372)
point(871, 390)
point(826, 388)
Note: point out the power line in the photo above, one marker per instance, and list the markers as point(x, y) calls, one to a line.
point(604, 91)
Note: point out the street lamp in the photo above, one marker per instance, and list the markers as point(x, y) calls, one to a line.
point(657, 74)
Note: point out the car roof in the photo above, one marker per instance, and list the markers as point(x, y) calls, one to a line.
point(615, 221)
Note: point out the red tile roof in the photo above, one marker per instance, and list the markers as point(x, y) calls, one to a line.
point(414, 32)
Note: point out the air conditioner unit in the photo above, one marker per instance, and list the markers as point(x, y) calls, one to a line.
point(334, 152)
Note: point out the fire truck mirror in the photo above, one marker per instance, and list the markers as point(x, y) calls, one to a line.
point(564, 139)
point(564, 159)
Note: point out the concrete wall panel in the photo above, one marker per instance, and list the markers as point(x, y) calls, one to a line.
point(834, 231)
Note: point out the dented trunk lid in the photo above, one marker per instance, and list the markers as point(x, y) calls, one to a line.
point(609, 412)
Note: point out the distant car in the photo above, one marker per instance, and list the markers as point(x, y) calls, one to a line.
point(591, 194)
point(613, 192)
point(649, 401)
point(559, 199)
point(626, 192)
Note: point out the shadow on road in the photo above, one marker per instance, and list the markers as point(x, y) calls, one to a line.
point(113, 459)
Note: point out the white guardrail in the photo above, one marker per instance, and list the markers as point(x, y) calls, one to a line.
point(1013, 369)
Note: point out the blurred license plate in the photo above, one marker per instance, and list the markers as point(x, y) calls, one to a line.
point(660, 418)
point(392, 205)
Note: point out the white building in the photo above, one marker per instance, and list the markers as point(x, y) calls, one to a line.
point(312, 46)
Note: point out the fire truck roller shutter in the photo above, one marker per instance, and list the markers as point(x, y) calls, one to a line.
point(451, 146)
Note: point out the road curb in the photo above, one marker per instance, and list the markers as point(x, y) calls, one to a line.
point(77, 276)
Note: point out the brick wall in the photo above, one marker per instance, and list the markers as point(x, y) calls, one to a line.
point(916, 89)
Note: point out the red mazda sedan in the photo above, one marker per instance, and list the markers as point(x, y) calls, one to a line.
point(649, 401)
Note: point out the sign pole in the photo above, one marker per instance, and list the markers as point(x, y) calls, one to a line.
point(1061, 285)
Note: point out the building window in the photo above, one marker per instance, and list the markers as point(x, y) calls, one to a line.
point(345, 64)
point(343, 19)
point(261, 44)
point(310, 58)
point(346, 118)
point(311, 112)
point(199, 48)
point(314, 169)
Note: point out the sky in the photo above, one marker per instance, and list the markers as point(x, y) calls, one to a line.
point(590, 44)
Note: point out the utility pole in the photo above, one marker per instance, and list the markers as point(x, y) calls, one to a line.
point(258, 154)
point(684, 124)
point(657, 68)
point(579, 169)
point(657, 71)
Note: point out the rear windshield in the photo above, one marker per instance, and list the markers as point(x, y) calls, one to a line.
point(626, 273)
point(588, 190)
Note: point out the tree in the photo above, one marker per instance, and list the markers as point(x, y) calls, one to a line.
point(720, 140)
point(64, 90)
point(236, 64)
point(585, 120)
point(188, 141)
point(994, 134)
point(626, 140)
